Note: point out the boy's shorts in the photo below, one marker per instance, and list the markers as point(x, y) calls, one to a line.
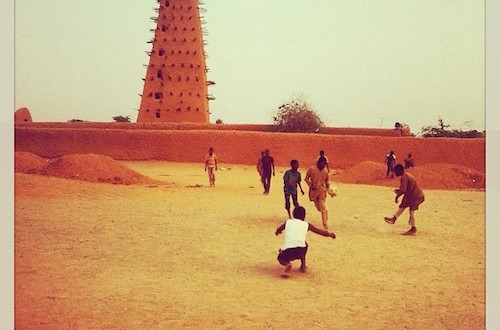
point(285, 256)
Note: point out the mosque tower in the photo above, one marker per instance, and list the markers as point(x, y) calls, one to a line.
point(175, 86)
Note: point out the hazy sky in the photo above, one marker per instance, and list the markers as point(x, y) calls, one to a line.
point(357, 63)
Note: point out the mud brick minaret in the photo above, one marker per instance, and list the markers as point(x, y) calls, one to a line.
point(175, 86)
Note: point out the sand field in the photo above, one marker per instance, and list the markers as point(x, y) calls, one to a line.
point(165, 251)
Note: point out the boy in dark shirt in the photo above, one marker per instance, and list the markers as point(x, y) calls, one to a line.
point(291, 180)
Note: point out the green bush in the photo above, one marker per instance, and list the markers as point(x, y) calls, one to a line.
point(297, 116)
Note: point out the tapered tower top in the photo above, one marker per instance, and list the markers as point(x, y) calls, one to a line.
point(175, 86)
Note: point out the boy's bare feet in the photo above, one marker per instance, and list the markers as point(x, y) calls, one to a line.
point(412, 231)
point(391, 220)
point(286, 273)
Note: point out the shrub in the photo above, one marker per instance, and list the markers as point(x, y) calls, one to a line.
point(441, 130)
point(297, 116)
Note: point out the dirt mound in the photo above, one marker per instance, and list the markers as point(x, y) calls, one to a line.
point(430, 176)
point(86, 167)
point(28, 162)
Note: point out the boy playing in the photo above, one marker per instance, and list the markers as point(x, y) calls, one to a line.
point(390, 160)
point(413, 196)
point(318, 180)
point(295, 246)
point(291, 180)
point(267, 167)
point(211, 166)
point(323, 156)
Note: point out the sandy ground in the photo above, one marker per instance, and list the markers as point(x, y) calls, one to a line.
point(177, 254)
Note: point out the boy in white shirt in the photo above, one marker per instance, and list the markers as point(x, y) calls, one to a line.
point(295, 246)
point(211, 166)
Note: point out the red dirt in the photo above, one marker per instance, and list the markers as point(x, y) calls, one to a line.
point(99, 168)
point(88, 167)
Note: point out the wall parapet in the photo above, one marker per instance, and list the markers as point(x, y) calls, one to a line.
point(244, 147)
point(203, 126)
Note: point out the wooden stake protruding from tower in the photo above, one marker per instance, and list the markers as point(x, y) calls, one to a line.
point(175, 86)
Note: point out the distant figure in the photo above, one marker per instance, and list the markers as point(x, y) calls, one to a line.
point(322, 156)
point(211, 166)
point(291, 180)
point(259, 168)
point(295, 246)
point(267, 170)
point(409, 161)
point(318, 180)
point(390, 160)
point(413, 196)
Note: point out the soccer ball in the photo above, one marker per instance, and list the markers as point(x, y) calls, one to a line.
point(333, 191)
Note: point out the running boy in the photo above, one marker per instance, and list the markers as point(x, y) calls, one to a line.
point(291, 180)
point(412, 194)
point(295, 246)
point(318, 180)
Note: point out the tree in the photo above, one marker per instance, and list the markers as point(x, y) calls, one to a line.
point(121, 119)
point(297, 116)
point(442, 130)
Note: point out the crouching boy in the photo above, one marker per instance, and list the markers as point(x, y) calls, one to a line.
point(295, 246)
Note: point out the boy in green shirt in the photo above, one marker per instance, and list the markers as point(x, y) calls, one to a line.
point(291, 180)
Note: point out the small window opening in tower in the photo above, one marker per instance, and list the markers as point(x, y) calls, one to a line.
point(158, 95)
point(167, 3)
point(164, 28)
point(161, 52)
point(158, 113)
point(159, 74)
